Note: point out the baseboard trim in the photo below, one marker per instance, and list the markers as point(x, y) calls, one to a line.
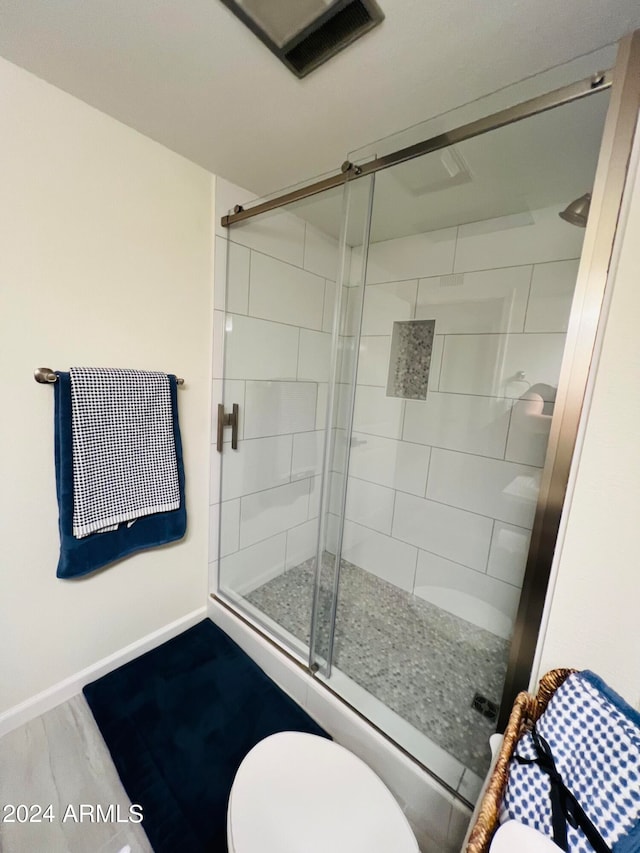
point(63, 690)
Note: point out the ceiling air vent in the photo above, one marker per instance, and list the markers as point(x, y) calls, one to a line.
point(305, 33)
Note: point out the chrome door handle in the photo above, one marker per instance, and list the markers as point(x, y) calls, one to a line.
point(228, 419)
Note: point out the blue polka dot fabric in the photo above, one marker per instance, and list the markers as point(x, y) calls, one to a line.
point(594, 737)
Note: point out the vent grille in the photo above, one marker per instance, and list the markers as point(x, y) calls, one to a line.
point(334, 26)
point(341, 29)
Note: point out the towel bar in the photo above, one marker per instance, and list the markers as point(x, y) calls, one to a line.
point(46, 376)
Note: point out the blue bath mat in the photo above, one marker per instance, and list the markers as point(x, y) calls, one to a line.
point(178, 721)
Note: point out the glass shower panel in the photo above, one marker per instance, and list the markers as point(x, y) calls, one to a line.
point(356, 221)
point(281, 303)
point(469, 282)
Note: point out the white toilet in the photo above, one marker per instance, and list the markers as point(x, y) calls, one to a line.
point(300, 793)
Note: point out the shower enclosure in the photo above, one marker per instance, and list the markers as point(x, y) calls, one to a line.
point(399, 348)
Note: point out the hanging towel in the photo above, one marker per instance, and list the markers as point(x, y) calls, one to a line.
point(80, 556)
point(124, 457)
point(576, 776)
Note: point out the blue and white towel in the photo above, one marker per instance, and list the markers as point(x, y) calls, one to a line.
point(79, 557)
point(594, 740)
point(124, 455)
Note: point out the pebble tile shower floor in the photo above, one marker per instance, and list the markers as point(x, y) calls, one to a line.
point(423, 662)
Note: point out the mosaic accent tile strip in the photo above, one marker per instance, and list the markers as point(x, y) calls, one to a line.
point(423, 662)
point(410, 360)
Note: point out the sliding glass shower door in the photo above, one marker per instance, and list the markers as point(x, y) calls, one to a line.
point(394, 350)
point(287, 355)
point(470, 274)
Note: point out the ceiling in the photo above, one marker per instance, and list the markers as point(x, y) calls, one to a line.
point(188, 74)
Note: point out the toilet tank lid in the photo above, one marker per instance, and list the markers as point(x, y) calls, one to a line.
point(296, 791)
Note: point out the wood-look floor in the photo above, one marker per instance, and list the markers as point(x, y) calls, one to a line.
point(60, 759)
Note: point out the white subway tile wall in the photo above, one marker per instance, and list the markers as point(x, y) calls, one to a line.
point(386, 303)
point(471, 595)
point(301, 543)
point(503, 490)
point(397, 464)
point(441, 493)
point(413, 257)
point(263, 514)
point(307, 456)
point(459, 422)
point(509, 550)
point(278, 234)
point(536, 237)
point(232, 265)
point(314, 355)
point(259, 464)
point(384, 556)
point(446, 530)
point(489, 365)
point(370, 505)
point(243, 571)
point(320, 253)
point(329, 305)
point(284, 293)
point(465, 464)
point(277, 408)
point(552, 288)
point(373, 361)
point(275, 277)
point(377, 414)
point(258, 349)
point(485, 301)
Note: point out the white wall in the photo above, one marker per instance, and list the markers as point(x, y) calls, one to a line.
point(279, 303)
point(442, 491)
point(594, 609)
point(106, 260)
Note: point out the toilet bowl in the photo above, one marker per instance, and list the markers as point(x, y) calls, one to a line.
point(300, 793)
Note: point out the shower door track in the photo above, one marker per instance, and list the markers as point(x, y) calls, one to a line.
point(598, 82)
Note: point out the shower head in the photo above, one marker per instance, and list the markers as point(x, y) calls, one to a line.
point(577, 212)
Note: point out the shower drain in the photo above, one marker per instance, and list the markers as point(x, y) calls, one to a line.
point(485, 706)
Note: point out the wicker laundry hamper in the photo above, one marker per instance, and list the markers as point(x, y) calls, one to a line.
point(525, 712)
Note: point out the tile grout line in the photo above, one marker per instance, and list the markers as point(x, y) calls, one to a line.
point(479, 572)
point(455, 250)
point(426, 480)
point(412, 277)
point(382, 486)
point(279, 486)
point(291, 457)
point(526, 309)
point(506, 439)
point(248, 285)
point(393, 511)
point(324, 305)
point(244, 406)
point(390, 438)
point(443, 448)
point(278, 259)
point(304, 245)
point(444, 346)
point(219, 555)
point(298, 353)
point(493, 530)
point(415, 573)
point(404, 415)
point(286, 546)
